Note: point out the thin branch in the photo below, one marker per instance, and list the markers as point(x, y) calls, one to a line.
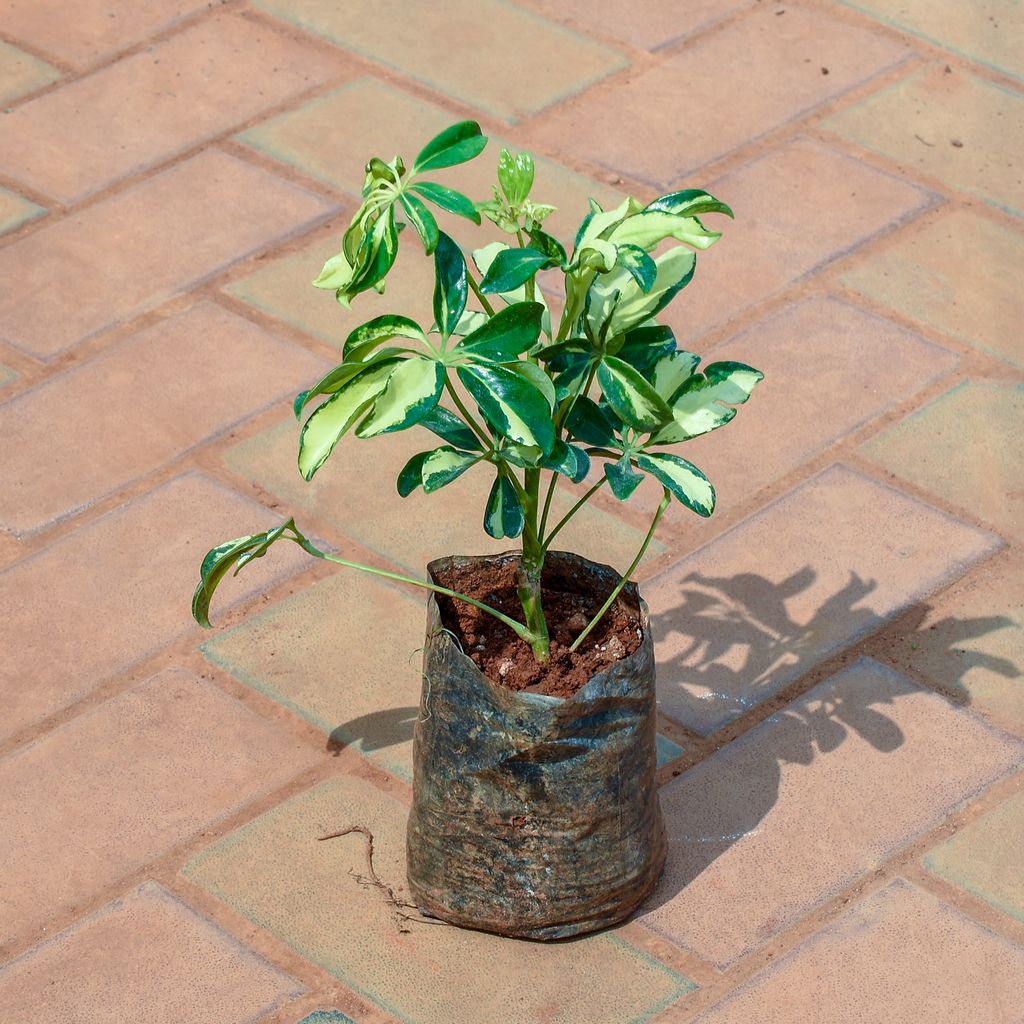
point(488, 308)
point(662, 505)
point(568, 515)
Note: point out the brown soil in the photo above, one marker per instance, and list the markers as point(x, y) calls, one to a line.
point(570, 601)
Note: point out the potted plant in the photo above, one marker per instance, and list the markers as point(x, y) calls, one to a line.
point(534, 811)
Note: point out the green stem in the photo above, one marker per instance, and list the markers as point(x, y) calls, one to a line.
point(547, 505)
point(468, 416)
point(475, 288)
point(662, 505)
point(568, 515)
point(531, 566)
point(517, 627)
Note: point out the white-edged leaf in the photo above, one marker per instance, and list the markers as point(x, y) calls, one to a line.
point(366, 337)
point(649, 228)
point(698, 406)
point(330, 421)
point(686, 482)
point(412, 391)
point(443, 465)
point(511, 404)
point(411, 475)
point(632, 398)
point(672, 371)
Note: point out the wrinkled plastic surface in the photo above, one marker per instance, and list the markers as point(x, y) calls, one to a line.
point(534, 816)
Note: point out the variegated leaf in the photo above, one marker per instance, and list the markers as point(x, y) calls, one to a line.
point(411, 475)
point(698, 406)
point(412, 391)
point(686, 482)
point(443, 465)
point(632, 398)
point(507, 334)
point(450, 428)
point(422, 220)
point(503, 514)
point(366, 337)
point(672, 371)
point(511, 404)
point(622, 477)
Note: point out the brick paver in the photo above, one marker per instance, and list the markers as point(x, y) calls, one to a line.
point(304, 892)
point(986, 33)
point(987, 858)
point(507, 61)
point(21, 73)
point(950, 125)
point(829, 786)
point(834, 559)
point(188, 222)
point(900, 956)
point(163, 100)
point(629, 132)
point(123, 584)
point(146, 400)
point(120, 825)
point(145, 956)
point(173, 174)
point(926, 276)
point(824, 204)
point(963, 447)
point(15, 210)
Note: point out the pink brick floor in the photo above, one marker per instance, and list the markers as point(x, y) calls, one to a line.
point(841, 648)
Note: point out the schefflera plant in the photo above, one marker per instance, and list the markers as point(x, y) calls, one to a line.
point(497, 381)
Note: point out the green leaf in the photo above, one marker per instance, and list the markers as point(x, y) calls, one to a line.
point(455, 145)
point(537, 377)
point(450, 428)
point(448, 199)
point(589, 423)
point(511, 404)
point(690, 202)
point(624, 479)
point(683, 479)
point(641, 267)
point(512, 268)
point(336, 378)
point(698, 405)
point(412, 391)
point(568, 460)
point(671, 372)
point(331, 421)
point(618, 305)
point(374, 257)
point(642, 347)
point(632, 398)
point(220, 560)
point(366, 337)
point(550, 246)
point(505, 335)
point(443, 465)
point(422, 220)
point(515, 175)
point(450, 287)
point(503, 514)
point(411, 475)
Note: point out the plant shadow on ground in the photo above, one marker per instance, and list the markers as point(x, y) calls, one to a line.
point(735, 641)
point(374, 731)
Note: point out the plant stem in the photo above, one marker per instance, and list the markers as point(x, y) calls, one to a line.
point(547, 504)
point(467, 415)
point(517, 627)
point(475, 288)
point(531, 566)
point(568, 515)
point(662, 505)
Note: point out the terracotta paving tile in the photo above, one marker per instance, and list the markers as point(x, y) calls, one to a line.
point(16, 210)
point(113, 779)
point(22, 73)
point(924, 276)
point(816, 795)
point(332, 136)
point(146, 400)
point(123, 584)
point(839, 202)
point(834, 559)
point(369, 698)
point(145, 956)
point(793, 416)
point(355, 494)
point(627, 129)
point(497, 45)
point(186, 223)
point(650, 26)
point(97, 29)
point(901, 956)
point(163, 100)
point(303, 893)
point(944, 108)
point(971, 640)
point(987, 858)
point(988, 32)
point(283, 289)
point(964, 447)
